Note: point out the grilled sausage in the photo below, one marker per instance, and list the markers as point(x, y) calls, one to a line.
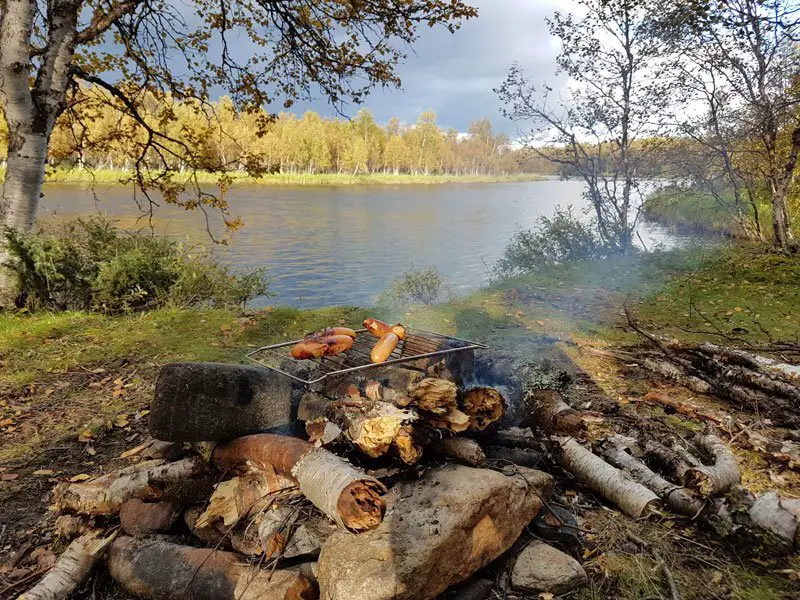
point(324, 346)
point(385, 346)
point(379, 328)
point(332, 331)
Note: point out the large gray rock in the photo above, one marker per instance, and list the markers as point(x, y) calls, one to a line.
point(218, 402)
point(438, 531)
point(542, 568)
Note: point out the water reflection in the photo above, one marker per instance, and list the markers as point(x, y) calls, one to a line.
point(342, 245)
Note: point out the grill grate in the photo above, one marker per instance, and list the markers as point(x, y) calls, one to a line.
point(417, 344)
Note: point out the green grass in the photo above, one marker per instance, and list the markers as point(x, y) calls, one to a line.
point(115, 176)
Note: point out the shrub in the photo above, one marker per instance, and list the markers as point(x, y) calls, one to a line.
point(88, 264)
point(416, 286)
point(555, 240)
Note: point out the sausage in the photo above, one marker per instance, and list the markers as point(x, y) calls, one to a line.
point(313, 348)
point(323, 346)
point(337, 343)
point(379, 328)
point(332, 331)
point(384, 347)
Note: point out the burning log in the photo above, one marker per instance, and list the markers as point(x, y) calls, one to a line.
point(152, 568)
point(71, 569)
point(674, 496)
point(630, 497)
point(455, 421)
point(710, 480)
point(436, 396)
point(408, 448)
point(352, 499)
point(217, 402)
point(147, 480)
point(371, 426)
point(484, 405)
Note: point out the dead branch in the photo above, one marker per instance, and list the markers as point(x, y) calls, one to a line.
point(710, 480)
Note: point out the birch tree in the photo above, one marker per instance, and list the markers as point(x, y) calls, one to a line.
point(170, 50)
point(614, 58)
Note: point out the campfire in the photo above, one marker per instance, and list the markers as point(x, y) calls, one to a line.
point(338, 476)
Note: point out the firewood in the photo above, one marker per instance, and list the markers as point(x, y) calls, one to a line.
point(371, 426)
point(710, 480)
point(455, 421)
point(484, 405)
point(71, 569)
point(106, 494)
point(682, 408)
point(677, 498)
point(463, 450)
point(152, 568)
point(408, 449)
point(554, 416)
point(217, 402)
point(312, 407)
point(524, 457)
point(670, 462)
point(630, 497)
point(208, 533)
point(779, 516)
point(436, 396)
point(345, 494)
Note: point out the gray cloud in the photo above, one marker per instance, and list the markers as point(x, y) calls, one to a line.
point(454, 74)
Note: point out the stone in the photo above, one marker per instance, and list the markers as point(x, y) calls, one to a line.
point(142, 518)
point(542, 568)
point(437, 532)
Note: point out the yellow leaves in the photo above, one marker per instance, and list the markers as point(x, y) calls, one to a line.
point(6, 422)
point(121, 421)
point(79, 478)
point(86, 436)
point(134, 451)
point(43, 472)
point(8, 476)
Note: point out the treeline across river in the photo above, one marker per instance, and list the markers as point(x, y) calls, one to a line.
point(219, 134)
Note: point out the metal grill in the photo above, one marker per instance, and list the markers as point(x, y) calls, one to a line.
point(417, 344)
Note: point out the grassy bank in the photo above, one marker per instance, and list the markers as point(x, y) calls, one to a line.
point(115, 176)
point(695, 211)
point(75, 387)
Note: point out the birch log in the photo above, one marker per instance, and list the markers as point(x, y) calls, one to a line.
point(147, 480)
point(630, 497)
point(71, 569)
point(484, 405)
point(345, 494)
point(710, 480)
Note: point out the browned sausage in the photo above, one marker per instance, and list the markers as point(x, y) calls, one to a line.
point(337, 344)
point(332, 331)
point(313, 348)
point(379, 328)
point(324, 346)
point(385, 346)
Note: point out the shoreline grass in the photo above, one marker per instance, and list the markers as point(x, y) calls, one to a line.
point(60, 175)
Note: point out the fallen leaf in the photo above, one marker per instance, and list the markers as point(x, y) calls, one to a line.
point(8, 476)
point(121, 421)
point(43, 472)
point(90, 450)
point(86, 435)
point(79, 478)
point(6, 422)
point(134, 451)
point(99, 370)
point(540, 323)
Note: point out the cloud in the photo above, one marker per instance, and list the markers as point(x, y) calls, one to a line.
point(454, 75)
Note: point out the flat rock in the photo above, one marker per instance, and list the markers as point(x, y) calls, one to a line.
point(437, 532)
point(542, 568)
point(142, 518)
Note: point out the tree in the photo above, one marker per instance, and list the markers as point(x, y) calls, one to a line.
point(615, 58)
point(145, 49)
point(742, 61)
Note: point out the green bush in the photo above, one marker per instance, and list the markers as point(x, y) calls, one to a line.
point(416, 286)
point(88, 264)
point(555, 240)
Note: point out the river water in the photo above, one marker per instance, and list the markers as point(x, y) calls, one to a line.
point(343, 245)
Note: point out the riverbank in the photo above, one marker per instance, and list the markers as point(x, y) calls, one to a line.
point(692, 211)
point(116, 176)
point(75, 387)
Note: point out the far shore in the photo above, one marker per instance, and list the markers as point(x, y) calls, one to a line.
point(119, 177)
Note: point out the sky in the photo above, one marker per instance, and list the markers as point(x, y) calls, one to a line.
point(454, 74)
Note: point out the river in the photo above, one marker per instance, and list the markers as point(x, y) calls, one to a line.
point(343, 245)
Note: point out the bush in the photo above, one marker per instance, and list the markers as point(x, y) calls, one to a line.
point(416, 286)
point(88, 264)
point(558, 239)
